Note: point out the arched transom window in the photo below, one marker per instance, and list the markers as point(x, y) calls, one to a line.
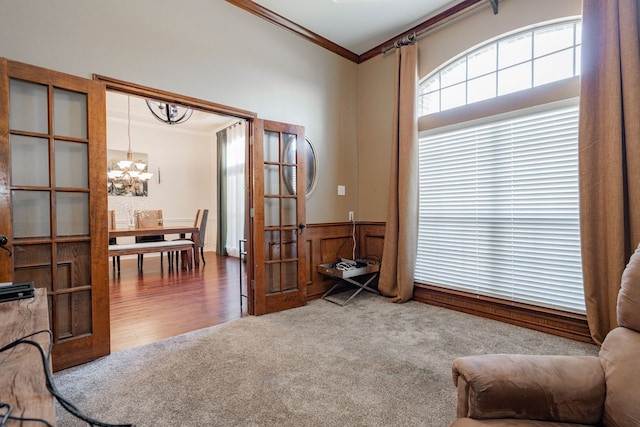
point(512, 63)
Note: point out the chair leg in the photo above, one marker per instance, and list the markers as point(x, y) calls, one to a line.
point(140, 261)
point(202, 255)
point(189, 259)
point(118, 262)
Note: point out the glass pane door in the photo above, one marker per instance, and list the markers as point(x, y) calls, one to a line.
point(56, 150)
point(279, 218)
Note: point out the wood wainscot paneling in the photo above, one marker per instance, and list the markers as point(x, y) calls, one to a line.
point(331, 241)
point(555, 322)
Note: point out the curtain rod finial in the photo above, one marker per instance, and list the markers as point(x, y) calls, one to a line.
point(494, 5)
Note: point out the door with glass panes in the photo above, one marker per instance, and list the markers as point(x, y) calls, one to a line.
point(278, 225)
point(53, 202)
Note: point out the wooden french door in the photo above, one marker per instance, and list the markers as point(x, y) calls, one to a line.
point(278, 223)
point(53, 202)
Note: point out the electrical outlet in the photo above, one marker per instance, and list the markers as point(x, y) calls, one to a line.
point(350, 215)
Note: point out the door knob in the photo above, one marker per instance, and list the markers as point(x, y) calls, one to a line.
point(3, 242)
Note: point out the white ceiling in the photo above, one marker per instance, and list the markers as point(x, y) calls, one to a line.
point(358, 25)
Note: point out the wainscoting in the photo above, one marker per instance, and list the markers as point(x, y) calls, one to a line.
point(328, 242)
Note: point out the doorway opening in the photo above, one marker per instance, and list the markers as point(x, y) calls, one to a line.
point(182, 159)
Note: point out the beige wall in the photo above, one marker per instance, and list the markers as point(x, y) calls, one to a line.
point(218, 52)
point(210, 50)
point(375, 84)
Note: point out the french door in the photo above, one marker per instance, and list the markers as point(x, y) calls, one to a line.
point(278, 223)
point(53, 202)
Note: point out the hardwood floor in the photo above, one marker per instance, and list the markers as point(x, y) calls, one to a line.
point(161, 302)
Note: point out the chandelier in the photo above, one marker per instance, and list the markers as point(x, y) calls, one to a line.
point(169, 113)
point(128, 177)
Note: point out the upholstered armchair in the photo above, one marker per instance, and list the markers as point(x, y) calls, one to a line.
point(521, 390)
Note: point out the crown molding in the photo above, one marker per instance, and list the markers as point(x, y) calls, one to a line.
point(299, 30)
point(303, 32)
point(419, 29)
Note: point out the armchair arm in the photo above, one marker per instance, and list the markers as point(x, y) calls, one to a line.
point(552, 388)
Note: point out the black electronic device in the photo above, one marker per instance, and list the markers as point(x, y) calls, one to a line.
point(13, 291)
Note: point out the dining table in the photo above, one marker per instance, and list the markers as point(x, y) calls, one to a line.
point(181, 230)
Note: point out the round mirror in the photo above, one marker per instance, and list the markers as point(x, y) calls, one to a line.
point(310, 166)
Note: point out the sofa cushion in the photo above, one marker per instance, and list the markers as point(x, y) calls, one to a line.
point(628, 310)
point(555, 388)
point(619, 360)
point(468, 422)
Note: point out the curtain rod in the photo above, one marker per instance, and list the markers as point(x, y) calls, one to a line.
point(239, 122)
point(414, 36)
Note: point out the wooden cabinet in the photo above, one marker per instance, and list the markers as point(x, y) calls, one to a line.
point(22, 377)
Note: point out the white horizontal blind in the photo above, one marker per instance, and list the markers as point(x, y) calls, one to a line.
point(499, 210)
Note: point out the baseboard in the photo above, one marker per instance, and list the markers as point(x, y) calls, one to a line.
point(555, 322)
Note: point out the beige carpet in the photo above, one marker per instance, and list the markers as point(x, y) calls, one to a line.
point(370, 363)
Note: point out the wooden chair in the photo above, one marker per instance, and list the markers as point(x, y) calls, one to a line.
point(201, 224)
point(111, 221)
point(145, 219)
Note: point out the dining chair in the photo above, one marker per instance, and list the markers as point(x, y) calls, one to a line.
point(146, 219)
point(201, 224)
point(111, 223)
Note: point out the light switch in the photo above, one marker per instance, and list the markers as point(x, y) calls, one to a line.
point(341, 190)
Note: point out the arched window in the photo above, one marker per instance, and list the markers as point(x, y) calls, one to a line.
point(515, 62)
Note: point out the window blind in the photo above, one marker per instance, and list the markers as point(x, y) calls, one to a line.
point(499, 210)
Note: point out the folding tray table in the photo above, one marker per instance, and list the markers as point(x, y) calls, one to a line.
point(349, 277)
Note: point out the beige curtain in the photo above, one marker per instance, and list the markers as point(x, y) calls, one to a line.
point(400, 238)
point(609, 153)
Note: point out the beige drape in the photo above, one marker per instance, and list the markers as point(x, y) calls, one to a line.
point(400, 238)
point(609, 153)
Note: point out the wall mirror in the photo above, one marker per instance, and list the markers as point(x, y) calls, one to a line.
point(310, 166)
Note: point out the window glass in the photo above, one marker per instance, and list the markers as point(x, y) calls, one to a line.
point(553, 67)
point(481, 88)
point(430, 103)
point(514, 79)
point(431, 84)
point(454, 73)
point(552, 39)
point(453, 96)
point(514, 50)
point(532, 57)
point(482, 61)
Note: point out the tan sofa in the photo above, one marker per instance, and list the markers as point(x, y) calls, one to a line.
point(521, 390)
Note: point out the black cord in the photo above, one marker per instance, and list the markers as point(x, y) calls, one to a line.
point(66, 404)
point(37, 420)
point(5, 416)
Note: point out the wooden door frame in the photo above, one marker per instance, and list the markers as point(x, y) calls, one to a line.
point(146, 92)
